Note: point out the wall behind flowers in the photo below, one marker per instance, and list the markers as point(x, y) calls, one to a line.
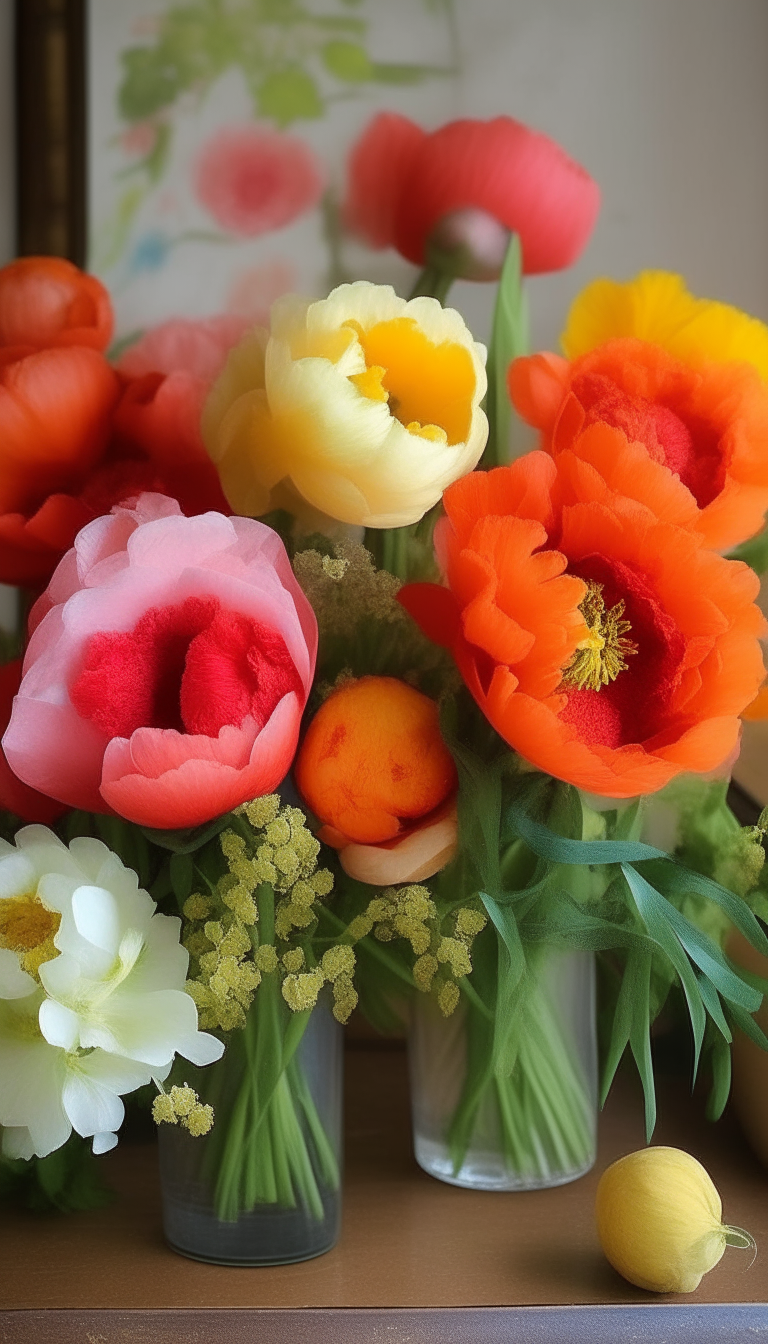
point(219, 137)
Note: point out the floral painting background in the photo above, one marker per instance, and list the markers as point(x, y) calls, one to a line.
point(220, 129)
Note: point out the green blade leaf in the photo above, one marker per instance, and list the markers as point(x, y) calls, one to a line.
point(509, 338)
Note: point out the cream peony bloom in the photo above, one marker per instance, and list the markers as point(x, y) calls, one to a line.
point(363, 405)
point(92, 998)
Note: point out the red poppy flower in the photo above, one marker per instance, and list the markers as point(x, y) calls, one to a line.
point(604, 642)
point(46, 301)
point(706, 424)
point(403, 181)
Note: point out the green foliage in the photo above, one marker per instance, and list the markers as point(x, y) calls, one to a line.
point(286, 51)
point(347, 61)
point(66, 1181)
point(509, 338)
point(289, 95)
point(753, 552)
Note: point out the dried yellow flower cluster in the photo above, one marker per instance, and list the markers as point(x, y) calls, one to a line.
point(274, 850)
point(347, 588)
point(441, 960)
point(182, 1106)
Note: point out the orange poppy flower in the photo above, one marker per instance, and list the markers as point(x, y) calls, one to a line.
point(46, 301)
point(375, 770)
point(603, 641)
point(706, 424)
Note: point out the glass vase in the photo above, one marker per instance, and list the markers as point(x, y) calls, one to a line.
point(263, 1187)
point(516, 1108)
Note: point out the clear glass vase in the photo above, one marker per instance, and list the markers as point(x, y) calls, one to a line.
point(514, 1109)
point(263, 1187)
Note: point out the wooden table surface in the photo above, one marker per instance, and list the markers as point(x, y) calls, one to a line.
point(408, 1241)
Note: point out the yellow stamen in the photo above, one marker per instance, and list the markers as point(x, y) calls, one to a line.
point(28, 929)
point(432, 432)
point(603, 654)
point(369, 383)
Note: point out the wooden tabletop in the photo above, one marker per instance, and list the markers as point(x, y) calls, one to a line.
point(408, 1241)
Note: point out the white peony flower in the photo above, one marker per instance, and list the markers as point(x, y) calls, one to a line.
point(92, 999)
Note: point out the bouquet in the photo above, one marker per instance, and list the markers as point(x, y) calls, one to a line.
point(339, 682)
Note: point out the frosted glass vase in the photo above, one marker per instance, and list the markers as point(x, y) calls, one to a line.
point(520, 1118)
point(263, 1188)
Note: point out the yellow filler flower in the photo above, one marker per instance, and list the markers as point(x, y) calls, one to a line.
point(363, 405)
point(657, 307)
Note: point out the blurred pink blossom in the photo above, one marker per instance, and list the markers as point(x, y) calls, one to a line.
point(254, 181)
point(253, 291)
point(139, 139)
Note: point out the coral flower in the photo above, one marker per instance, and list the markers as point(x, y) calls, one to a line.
point(171, 370)
point(363, 405)
point(604, 642)
point(154, 444)
point(708, 425)
point(657, 307)
point(55, 412)
point(375, 770)
point(403, 181)
point(255, 181)
point(46, 301)
point(168, 668)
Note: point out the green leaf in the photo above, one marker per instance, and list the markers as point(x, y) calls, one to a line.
point(187, 841)
point(348, 61)
point(182, 872)
point(511, 968)
point(677, 880)
point(67, 1181)
point(720, 1055)
point(149, 83)
point(509, 338)
point(386, 73)
point(560, 849)
point(289, 95)
point(656, 913)
point(753, 552)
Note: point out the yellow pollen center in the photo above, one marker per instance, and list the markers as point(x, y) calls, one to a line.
point(602, 655)
point(28, 928)
point(429, 387)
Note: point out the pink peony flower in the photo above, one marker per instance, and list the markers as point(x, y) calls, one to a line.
point(254, 181)
point(168, 668)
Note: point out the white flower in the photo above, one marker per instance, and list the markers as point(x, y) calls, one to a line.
point(92, 999)
point(46, 1092)
point(364, 406)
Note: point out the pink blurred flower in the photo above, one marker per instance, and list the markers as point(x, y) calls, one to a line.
point(168, 668)
point(253, 291)
point(403, 181)
point(14, 796)
point(171, 370)
point(254, 181)
point(139, 139)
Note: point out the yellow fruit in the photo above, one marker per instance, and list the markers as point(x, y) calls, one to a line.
point(659, 1220)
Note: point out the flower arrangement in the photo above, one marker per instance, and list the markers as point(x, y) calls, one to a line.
point(326, 699)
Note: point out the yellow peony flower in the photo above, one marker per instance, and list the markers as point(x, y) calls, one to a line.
point(657, 307)
point(364, 405)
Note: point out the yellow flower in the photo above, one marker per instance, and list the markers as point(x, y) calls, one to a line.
point(657, 307)
point(363, 405)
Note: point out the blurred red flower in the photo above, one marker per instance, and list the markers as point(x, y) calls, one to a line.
point(46, 301)
point(403, 181)
point(255, 181)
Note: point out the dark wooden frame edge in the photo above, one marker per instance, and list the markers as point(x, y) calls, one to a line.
point(51, 143)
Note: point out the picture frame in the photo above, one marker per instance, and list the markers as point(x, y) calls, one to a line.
point(51, 155)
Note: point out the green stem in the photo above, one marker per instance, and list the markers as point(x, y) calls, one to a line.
point(509, 338)
point(433, 283)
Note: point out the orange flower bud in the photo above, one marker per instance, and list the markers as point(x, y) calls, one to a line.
point(373, 761)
